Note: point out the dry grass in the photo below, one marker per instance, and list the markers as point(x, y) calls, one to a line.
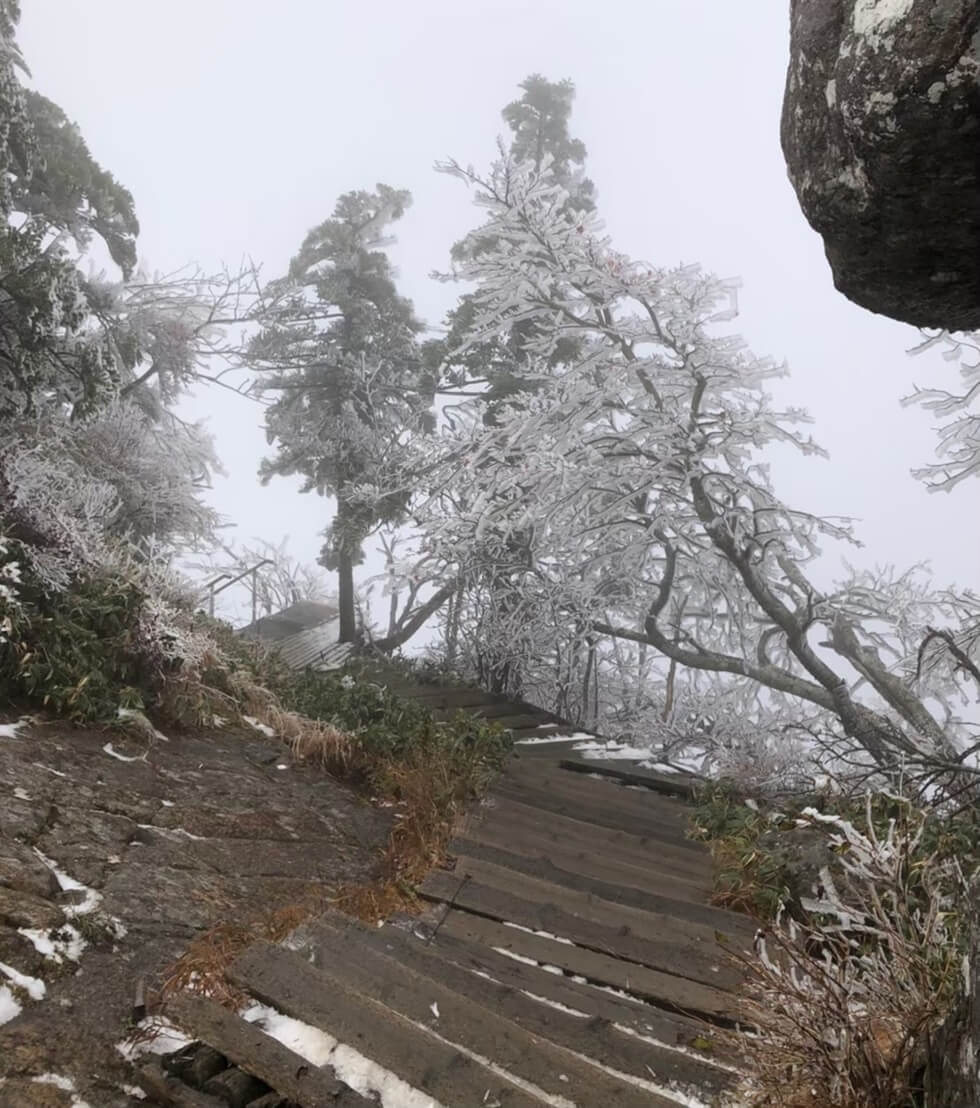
point(204, 966)
point(432, 795)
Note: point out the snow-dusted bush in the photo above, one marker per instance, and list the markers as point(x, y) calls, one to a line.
point(848, 1000)
point(91, 513)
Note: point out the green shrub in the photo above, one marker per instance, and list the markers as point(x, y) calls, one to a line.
point(75, 652)
point(387, 728)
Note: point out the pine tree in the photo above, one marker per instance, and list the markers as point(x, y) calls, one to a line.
point(339, 347)
point(539, 123)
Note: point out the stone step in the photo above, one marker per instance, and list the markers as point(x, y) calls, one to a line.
point(404, 1046)
point(659, 903)
point(574, 1029)
point(597, 789)
point(593, 805)
point(663, 990)
point(681, 784)
point(689, 972)
point(432, 1000)
point(524, 829)
point(682, 926)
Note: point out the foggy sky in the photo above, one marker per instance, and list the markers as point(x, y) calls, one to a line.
point(237, 124)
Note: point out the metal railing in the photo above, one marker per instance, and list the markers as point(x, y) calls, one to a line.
point(213, 587)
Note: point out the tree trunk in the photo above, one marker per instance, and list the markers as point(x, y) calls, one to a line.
point(345, 593)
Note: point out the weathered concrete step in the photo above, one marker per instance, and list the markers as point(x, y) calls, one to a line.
point(595, 1038)
point(690, 863)
point(257, 1053)
point(587, 858)
point(600, 810)
point(435, 1000)
point(683, 785)
point(694, 937)
point(602, 792)
point(697, 963)
point(549, 869)
point(675, 994)
point(629, 1012)
point(293, 986)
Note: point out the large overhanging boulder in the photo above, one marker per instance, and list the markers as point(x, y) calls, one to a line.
point(881, 133)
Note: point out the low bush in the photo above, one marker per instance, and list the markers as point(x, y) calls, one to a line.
point(859, 966)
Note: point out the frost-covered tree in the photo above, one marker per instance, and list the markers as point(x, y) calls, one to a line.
point(539, 123)
point(627, 501)
point(53, 198)
point(339, 352)
point(959, 434)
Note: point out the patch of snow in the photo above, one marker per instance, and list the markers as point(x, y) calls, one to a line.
point(688, 764)
point(556, 1005)
point(354, 1069)
point(873, 17)
point(134, 1091)
point(65, 942)
point(170, 832)
point(556, 970)
point(88, 904)
point(113, 753)
point(282, 765)
point(65, 1084)
point(33, 986)
point(540, 934)
point(56, 772)
point(218, 721)
point(575, 736)
point(9, 730)
point(831, 93)
point(516, 957)
point(22, 794)
point(167, 803)
point(434, 1009)
point(934, 93)
point(263, 727)
point(166, 1040)
point(599, 750)
point(9, 1005)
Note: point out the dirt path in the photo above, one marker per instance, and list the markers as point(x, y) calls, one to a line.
point(166, 839)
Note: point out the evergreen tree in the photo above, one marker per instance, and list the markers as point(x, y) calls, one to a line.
point(539, 123)
point(339, 349)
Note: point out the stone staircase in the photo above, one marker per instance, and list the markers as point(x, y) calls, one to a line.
point(568, 956)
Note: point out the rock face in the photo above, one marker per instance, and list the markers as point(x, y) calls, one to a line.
point(881, 133)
